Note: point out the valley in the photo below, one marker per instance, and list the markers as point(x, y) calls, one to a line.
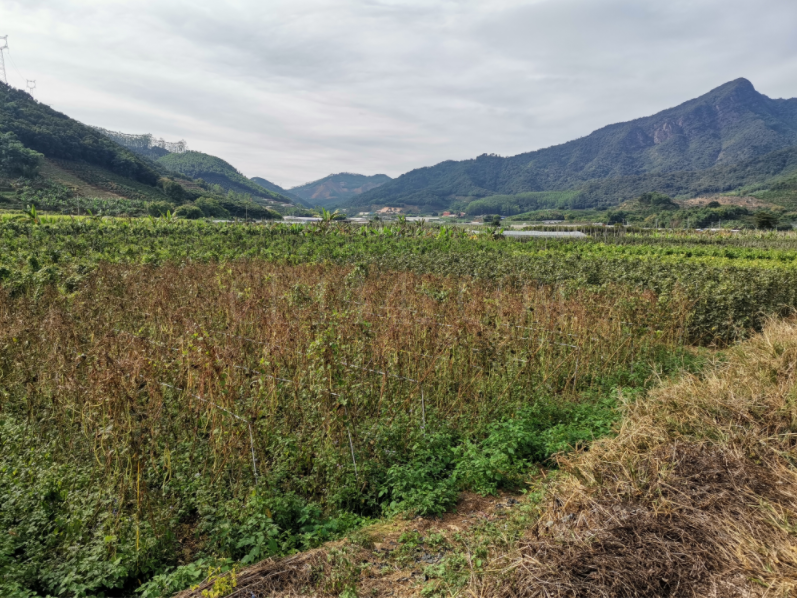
point(212, 385)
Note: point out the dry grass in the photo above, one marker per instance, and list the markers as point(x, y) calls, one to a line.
point(697, 496)
point(291, 341)
point(379, 566)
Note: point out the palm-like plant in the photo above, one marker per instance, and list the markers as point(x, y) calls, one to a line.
point(30, 215)
point(327, 216)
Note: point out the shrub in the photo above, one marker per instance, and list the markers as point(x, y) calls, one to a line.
point(16, 159)
point(211, 208)
point(189, 212)
point(765, 219)
point(159, 208)
point(173, 190)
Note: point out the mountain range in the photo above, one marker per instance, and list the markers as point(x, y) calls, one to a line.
point(215, 171)
point(693, 148)
point(730, 139)
point(335, 189)
point(88, 162)
point(266, 184)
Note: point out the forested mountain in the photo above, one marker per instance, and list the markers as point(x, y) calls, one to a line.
point(216, 171)
point(39, 127)
point(731, 124)
point(266, 184)
point(336, 188)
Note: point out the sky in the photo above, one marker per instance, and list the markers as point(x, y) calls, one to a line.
point(293, 90)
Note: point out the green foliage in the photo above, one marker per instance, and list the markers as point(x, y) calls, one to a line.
point(16, 159)
point(500, 458)
point(266, 184)
point(782, 192)
point(241, 206)
point(189, 212)
point(424, 485)
point(87, 529)
point(681, 151)
point(734, 282)
point(334, 189)
point(174, 579)
point(211, 208)
point(657, 201)
point(40, 128)
point(766, 219)
point(216, 171)
point(508, 205)
point(327, 216)
point(157, 209)
point(97, 177)
point(173, 190)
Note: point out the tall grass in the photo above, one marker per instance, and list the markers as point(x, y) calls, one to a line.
point(232, 409)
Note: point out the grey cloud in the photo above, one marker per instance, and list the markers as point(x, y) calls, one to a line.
point(295, 89)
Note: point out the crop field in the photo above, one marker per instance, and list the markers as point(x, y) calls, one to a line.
point(183, 397)
point(733, 281)
point(170, 395)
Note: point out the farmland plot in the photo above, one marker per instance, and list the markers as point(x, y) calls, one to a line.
point(170, 415)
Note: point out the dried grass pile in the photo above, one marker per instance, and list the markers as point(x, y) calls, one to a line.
point(285, 577)
point(697, 496)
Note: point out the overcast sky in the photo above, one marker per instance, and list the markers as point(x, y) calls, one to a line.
point(293, 90)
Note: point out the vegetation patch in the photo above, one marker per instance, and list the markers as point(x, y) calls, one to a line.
point(695, 496)
point(232, 412)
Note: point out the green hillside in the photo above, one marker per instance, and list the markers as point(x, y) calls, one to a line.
point(60, 165)
point(507, 205)
point(766, 177)
point(782, 192)
point(756, 173)
point(729, 125)
point(266, 184)
point(335, 189)
point(55, 135)
point(216, 171)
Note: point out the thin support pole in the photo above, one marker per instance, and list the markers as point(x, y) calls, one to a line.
point(423, 412)
point(353, 460)
point(252, 446)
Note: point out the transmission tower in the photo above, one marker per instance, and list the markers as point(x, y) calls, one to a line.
point(31, 85)
point(3, 46)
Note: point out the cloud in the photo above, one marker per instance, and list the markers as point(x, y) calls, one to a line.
point(292, 90)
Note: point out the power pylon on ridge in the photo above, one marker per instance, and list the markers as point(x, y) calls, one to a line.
point(3, 46)
point(31, 85)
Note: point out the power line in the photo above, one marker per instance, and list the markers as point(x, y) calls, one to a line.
point(30, 84)
point(16, 69)
point(2, 58)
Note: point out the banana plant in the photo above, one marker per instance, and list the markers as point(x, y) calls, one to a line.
point(93, 216)
point(327, 216)
point(29, 215)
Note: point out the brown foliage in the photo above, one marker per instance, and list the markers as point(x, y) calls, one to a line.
point(697, 496)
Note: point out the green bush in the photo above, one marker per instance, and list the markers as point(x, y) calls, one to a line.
point(159, 208)
point(16, 159)
point(766, 219)
point(211, 208)
point(189, 212)
point(173, 190)
point(424, 486)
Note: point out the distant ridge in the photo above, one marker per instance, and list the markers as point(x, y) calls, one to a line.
point(266, 184)
point(337, 188)
point(216, 171)
point(730, 124)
